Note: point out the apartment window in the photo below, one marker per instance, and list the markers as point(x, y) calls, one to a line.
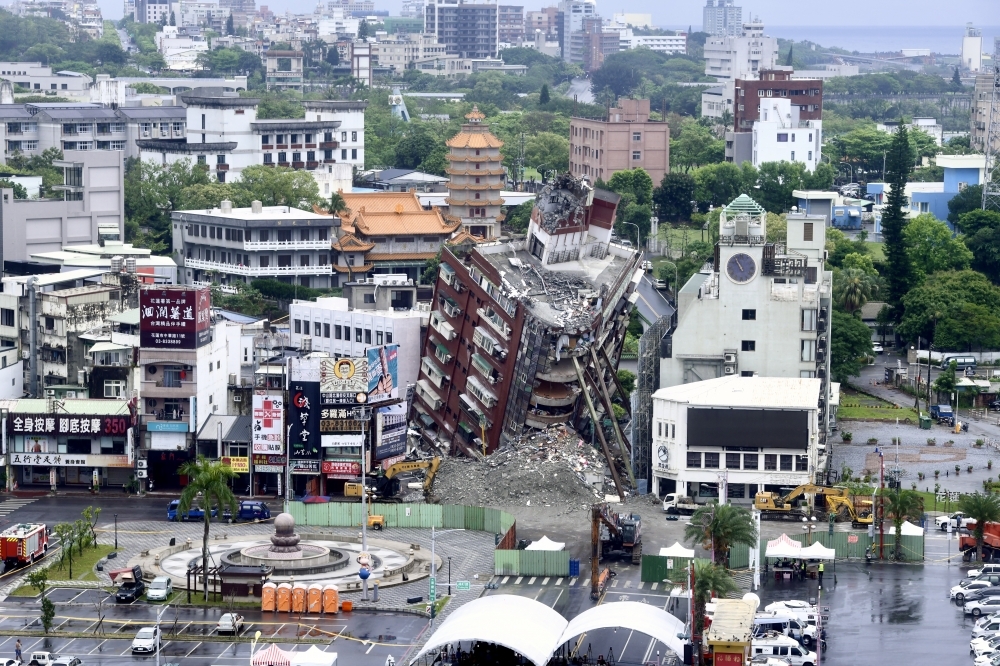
point(694, 459)
point(368, 336)
point(203, 121)
point(369, 298)
point(808, 353)
point(746, 373)
point(793, 156)
point(749, 315)
point(220, 159)
point(282, 157)
point(637, 136)
point(637, 154)
point(280, 138)
point(357, 335)
point(265, 261)
point(343, 136)
point(378, 337)
point(782, 138)
point(303, 234)
point(322, 260)
point(807, 374)
point(749, 345)
point(770, 462)
point(6, 317)
point(114, 388)
point(801, 464)
point(304, 260)
point(750, 460)
point(298, 325)
point(265, 139)
point(343, 154)
point(810, 155)
point(712, 461)
point(264, 235)
point(296, 157)
point(354, 153)
point(322, 231)
point(295, 138)
point(337, 332)
point(388, 338)
point(807, 230)
point(354, 136)
point(310, 156)
point(809, 320)
point(732, 461)
point(786, 463)
point(202, 159)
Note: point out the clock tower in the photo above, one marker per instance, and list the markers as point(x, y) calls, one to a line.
point(742, 233)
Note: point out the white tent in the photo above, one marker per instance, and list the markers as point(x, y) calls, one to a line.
point(909, 529)
point(783, 546)
point(546, 543)
point(677, 550)
point(817, 551)
point(644, 618)
point(314, 657)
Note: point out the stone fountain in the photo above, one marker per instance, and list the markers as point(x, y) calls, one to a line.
point(287, 555)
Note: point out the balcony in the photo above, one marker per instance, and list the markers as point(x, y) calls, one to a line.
point(161, 389)
point(489, 344)
point(427, 394)
point(483, 394)
point(495, 322)
point(267, 146)
point(540, 419)
point(256, 271)
point(550, 394)
point(560, 372)
point(438, 323)
point(172, 415)
point(442, 354)
point(328, 145)
point(296, 146)
point(435, 374)
point(489, 373)
point(222, 167)
point(312, 165)
point(275, 245)
point(470, 407)
point(450, 306)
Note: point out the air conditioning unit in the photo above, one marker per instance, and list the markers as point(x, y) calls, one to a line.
point(237, 398)
point(730, 358)
point(730, 370)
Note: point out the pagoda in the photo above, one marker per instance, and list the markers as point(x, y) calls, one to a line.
point(476, 177)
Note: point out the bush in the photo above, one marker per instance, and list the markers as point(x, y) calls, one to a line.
point(931, 441)
point(282, 291)
point(873, 440)
point(846, 436)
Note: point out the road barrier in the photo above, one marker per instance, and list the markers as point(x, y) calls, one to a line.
point(848, 545)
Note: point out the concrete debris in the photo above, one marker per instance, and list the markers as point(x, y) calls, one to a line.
point(554, 467)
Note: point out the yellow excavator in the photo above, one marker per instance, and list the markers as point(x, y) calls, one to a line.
point(773, 505)
point(861, 516)
point(384, 486)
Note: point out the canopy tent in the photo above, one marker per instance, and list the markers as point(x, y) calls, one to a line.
point(909, 529)
point(535, 631)
point(546, 543)
point(272, 656)
point(783, 547)
point(677, 550)
point(817, 551)
point(314, 657)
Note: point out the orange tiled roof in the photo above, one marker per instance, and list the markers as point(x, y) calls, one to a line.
point(409, 223)
point(353, 269)
point(475, 114)
point(474, 140)
point(351, 243)
point(465, 237)
point(379, 202)
point(400, 256)
point(474, 172)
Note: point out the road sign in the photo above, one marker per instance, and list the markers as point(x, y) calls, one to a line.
point(432, 594)
point(463, 586)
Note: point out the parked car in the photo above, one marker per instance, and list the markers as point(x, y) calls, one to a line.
point(132, 586)
point(160, 589)
point(230, 623)
point(966, 587)
point(982, 606)
point(989, 629)
point(956, 519)
point(42, 658)
point(995, 404)
point(147, 640)
point(647, 266)
point(194, 513)
point(987, 660)
point(877, 348)
point(660, 284)
point(985, 569)
point(784, 648)
point(65, 661)
point(942, 413)
point(626, 243)
point(984, 646)
point(248, 510)
point(982, 593)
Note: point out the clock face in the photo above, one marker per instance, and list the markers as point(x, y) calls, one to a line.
point(741, 268)
point(662, 453)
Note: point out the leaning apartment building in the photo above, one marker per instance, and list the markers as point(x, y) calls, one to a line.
point(517, 325)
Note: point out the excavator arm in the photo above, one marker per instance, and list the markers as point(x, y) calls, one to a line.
point(813, 489)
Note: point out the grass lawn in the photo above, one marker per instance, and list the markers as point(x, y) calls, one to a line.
point(854, 405)
point(878, 254)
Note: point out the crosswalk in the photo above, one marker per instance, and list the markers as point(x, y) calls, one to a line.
point(517, 580)
point(13, 504)
point(552, 581)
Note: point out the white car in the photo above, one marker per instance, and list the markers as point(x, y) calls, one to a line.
point(146, 640)
point(982, 606)
point(988, 660)
point(984, 569)
point(959, 591)
point(984, 645)
point(956, 519)
point(987, 629)
point(877, 348)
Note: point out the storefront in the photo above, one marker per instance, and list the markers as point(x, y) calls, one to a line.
point(304, 477)
point(341, 461)
point(268, 474)
point(163, 469)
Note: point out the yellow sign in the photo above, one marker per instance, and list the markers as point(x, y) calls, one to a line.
point(239, 465)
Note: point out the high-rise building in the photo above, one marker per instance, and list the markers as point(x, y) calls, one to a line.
point(722, 17)
point(570, 22)
point(972, 48)
point(626, 140)
point(467, 28)
point(511, 24)
point(545, 20)
point(979, 118)
point(476, 177)
point(732, 57)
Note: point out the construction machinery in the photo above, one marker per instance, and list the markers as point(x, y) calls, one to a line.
point(772, 505)
point(612, 534)
point(383, 484)
point(861, 515)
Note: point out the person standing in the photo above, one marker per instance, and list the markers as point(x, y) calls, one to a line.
point(821, 575)
point(17, 650)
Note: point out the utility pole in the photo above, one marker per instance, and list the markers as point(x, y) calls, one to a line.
point(33, 337)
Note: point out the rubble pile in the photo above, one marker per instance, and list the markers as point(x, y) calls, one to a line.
point(555, 467)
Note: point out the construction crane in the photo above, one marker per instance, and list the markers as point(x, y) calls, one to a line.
point(773, 505)
point(611, 535)
point(384, 486)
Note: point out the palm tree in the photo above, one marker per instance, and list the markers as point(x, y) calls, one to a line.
point(900, 505)
point(709, 579)
point(983, 509)
point(718, 526)
point(338, 205)
point(854, 288)
point(209, 480)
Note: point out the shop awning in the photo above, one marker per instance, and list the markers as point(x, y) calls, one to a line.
point(107, 347)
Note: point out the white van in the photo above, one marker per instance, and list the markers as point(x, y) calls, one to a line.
point(782, 623)
point(783, 647)
point(989, 568)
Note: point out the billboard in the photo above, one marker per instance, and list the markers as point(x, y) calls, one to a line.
point(770, 428)
point(352, 381)
point(68, 424)
point(268, 424)
point(390, 431)
point(175, 317)
point(304, 438)
point(383, 373)
point(341, 469)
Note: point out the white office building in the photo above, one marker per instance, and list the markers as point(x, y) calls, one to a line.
point(762, 309)
point(734, 436)
point(721, 17)
point(972, 49)
point(779, 135)
point(669, 44)
point(732, 57)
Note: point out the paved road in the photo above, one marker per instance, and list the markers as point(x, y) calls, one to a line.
point(580, 88)
point(652, 303)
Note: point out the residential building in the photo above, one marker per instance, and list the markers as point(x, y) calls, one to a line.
point(35, 76)
point(496, 359)
point(413, 9)
point(88, 205)
point(150, 122)
point(332, 178)
point(399, 52)
point(979, 114)
point(545, 20)
point(467, 28)
point(229, 244)
point(386, 233)
point(350, 148)
point(728, 438)
point(197, 14)
point(11, 372)
point(403, 180)
point(180, 50)
point(510, 24)
point(241, 10)
point(736, 57)
point(107, 254)
point(929, 126)
point(626, 140)
point(79, 444)
point(760, 309)
point(476, 178)
point(381, 311)
point(361, 62)
point(669, 44)
point(594, 43)
point(960, 171)
point(541, 43)
point(570, 22)
point(972, 49)
point(722, 17)
point(152, 11)
point(751, 94)
point(454, 67)
point(185, 361)
point(284, 70)
point(780, 135)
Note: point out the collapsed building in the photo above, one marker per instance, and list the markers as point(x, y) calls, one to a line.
point(528, 333)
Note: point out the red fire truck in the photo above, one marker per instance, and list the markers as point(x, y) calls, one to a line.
point(23, 544)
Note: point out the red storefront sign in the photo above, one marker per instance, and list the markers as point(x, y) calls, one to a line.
point(175, 317)
point(262, 459)
point(339, 469)
point(728, 659)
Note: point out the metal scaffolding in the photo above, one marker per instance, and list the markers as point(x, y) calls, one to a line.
point(991, 182)
point(647, 382)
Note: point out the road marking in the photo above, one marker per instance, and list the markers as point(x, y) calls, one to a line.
point(184, 628)
point(369, 648)
point(98, 646)
point(192, 649)
point(128, 650)
point(545, 581)
point(339, 633)
point(518, 581)
point(63, 648)
point(277, 630)
point(505, 579)
point(532, 581)
point(226, 650)
point(559, 581)
point(614, 583)
point(12, 505)
point(628, 584)
point(572, 581)
point(82, 592)
point(558, 596)
point(641, 584)
point(654, 586)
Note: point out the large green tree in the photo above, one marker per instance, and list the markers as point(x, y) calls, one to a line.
point(901, 505)
point(717, 527)
point(208, 484)
point(985, 248)
point(718, 184)
point(710, 580)
point(975, 220)
point(853, 287)
point(694, 146)
point(673, 197)
point(957, 310)
point(898, 270)
point(850, 342)
point(969, 199)
point(279, 186)
point(931, 248)
point(547, 150)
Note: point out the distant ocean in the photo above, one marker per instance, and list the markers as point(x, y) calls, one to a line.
point(944, 40)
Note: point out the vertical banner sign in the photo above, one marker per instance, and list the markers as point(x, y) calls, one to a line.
point(304, 439)
point(383, 377)
point(390, 434)
point(268, 424)
point(175, 317)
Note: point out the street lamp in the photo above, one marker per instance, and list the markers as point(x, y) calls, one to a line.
point(432, 582)
point(449, 575)
point(253, 644)
point(638, 236)
point(158, 616)
point(116, 531)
